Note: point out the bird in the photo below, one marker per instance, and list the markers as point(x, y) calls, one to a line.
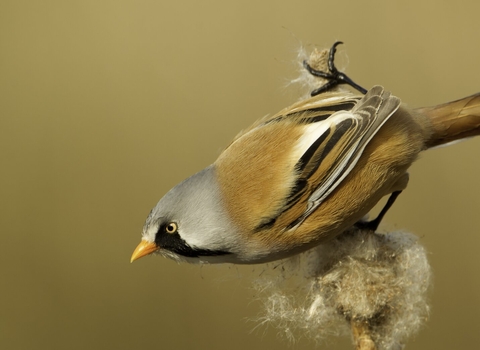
point(300, 177)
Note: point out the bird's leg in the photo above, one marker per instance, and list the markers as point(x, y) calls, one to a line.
point(334, 77)
point(372, 225)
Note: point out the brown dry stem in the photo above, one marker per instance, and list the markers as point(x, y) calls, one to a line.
point(361, 335)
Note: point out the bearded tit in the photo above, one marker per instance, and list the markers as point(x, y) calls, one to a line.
point(302, 176)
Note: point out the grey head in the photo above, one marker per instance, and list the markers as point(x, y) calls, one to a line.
point(190, 222)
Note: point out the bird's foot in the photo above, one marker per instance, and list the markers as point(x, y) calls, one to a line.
point(334, 77)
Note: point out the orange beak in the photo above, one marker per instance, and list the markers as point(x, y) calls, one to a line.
point(143, 249)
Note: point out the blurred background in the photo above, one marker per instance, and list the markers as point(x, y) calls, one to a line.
point(105, 105)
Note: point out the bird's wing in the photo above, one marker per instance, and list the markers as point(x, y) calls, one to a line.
point(337, 143)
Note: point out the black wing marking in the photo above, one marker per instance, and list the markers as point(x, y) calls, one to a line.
point(354, 129)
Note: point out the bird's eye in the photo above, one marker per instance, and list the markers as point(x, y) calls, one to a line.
point(171, 228)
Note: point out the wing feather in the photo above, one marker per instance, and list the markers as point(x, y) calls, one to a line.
point(332, 156)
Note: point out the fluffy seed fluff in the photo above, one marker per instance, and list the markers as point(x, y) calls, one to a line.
point(380, 280)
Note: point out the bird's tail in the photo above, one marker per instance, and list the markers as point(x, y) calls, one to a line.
point(453, 120)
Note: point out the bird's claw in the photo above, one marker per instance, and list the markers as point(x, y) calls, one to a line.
point(334, 77)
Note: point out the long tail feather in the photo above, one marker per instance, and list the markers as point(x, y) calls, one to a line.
point(453, 120)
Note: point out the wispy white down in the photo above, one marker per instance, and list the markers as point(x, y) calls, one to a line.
point(383, 279)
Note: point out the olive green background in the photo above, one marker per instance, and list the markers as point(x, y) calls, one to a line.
point(105, 105)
